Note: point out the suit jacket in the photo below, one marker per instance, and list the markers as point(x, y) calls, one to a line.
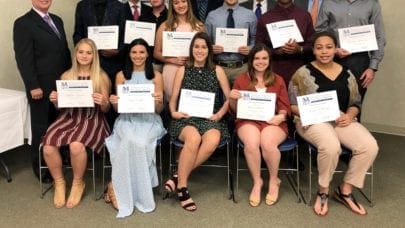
point(40, 54)
point(128, 12)
point(249, 4)
point(212, 5)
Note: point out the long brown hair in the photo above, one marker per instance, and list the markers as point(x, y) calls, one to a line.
point(172, 20)
point(209, 62)
point(269, 76)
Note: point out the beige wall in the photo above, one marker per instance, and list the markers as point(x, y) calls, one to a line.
point(384, 108)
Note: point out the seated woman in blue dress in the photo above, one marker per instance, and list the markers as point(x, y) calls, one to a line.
point(133, 141)
point(200, 136)
point(78, 128)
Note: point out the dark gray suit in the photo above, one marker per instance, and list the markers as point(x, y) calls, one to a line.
point(41, 58)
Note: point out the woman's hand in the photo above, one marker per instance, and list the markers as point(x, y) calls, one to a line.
point(114, 99)
point(53, 97)
point(234, 94)
point(158, 97)
point(215, 117)
point(277, 119)
point(180, 115)
point(180, 61)
point(344, 120)
point(100, 99)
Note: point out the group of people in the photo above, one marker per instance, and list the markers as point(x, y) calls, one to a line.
point(297, 68)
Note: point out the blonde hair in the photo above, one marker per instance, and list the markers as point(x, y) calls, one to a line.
point(172, 20)
point(97, 75)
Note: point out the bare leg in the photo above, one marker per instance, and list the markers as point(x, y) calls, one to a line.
point(78, 159)
point(209, 143)
point(54, 162)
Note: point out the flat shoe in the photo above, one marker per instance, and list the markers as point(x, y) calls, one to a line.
point(324, 199)
point(270, 199)
point(343, 198)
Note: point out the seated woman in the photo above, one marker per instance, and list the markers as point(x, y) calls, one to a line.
point(78, 128)
point(133, 141)
point(262, 137)
point(323, 74)
point(200, 136)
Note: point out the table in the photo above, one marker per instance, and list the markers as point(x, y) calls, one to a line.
point(15, 122)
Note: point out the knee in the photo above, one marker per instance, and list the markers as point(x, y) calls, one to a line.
point(372, 148)
point(330, 148)
point(49, 150)
point(192, 142)
point(76, 149)
point(250, 147)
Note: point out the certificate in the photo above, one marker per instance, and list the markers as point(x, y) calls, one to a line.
point(197, 103)
point(136, 98)
point(282, 31)
point(318, 107)
point(137, 29)
point(105, 37)
point(358, 38)
point(231, 38)
point(177, 43)
point(256, 106)
point(75, 93)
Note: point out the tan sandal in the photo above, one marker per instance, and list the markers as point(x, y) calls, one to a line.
point(272, 199)
point(111, 196)
point(59, 198)
point(76, 193)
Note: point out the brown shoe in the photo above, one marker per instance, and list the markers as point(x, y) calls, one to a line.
point(59, 197)
point(75, 193)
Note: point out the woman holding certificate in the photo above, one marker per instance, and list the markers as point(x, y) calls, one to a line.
point(323, 74)
point(180, 19)
point(200, 136)
point(259, 137)
point(133, 141)
point(78, 128)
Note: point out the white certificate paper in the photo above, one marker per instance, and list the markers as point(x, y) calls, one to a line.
point(358, 38)
point(318, 107)
point(136, 98)
point(282, 31)
point(137, 29)
point(105, 37)
point(231, 38)
point(176, 44)
point(197, 103)
point(75, 93)
point(256, 106)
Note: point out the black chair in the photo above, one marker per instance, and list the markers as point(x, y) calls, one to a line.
point(288, 147)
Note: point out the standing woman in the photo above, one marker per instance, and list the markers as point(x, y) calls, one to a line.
point(133, 141)
point(323, 74)
point(78, 128)
point(262, 137)
point(200, 136)
point(179, 19)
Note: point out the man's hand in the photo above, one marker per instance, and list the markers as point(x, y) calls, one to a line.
point(37, 94)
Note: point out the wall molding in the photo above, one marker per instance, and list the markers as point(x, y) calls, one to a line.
point(386, 129)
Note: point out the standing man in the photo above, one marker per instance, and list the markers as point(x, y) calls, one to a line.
point(259, 7)
point(42, 55)
point(336, 14)
point(201, 8)
point(288, 58)
point(134, 9)
point(231, 15)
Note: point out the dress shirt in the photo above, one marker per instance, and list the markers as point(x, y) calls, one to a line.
point(132, 6)
point(243, 18)
point(311, 2)
point(336, 14)
point(263, 3)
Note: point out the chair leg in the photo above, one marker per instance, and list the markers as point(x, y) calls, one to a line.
point(310, 176)
point(160, 169)
point(93, 169)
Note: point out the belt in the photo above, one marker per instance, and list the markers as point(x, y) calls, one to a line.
point(230, 64)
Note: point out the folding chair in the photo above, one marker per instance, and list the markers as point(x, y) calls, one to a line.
point(288, 147)
point(107, 165)
point(312, 150)
point(223, 143)
point(66, 165)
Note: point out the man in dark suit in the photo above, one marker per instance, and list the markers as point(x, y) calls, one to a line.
point(201, 8)
point(42, 55)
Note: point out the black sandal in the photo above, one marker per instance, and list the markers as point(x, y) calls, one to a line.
point(324, 199)
point(169, 188)
point(185, 195)
point(343, 198)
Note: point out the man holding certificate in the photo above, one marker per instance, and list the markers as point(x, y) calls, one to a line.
point(200, 136)
point(348, 14)
point(292, 27)
point(321, 75)
point(261, 137)
point(76, 127)
point(238, 28)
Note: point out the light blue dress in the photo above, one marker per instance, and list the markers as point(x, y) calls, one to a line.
point(132, 152)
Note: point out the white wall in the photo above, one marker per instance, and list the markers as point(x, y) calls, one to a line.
point(383, 110)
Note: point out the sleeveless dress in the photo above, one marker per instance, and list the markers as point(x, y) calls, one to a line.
point(85, 125)
point(202, 79)
point(133, 159)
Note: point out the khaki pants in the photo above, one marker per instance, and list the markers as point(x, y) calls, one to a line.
point(327, 138)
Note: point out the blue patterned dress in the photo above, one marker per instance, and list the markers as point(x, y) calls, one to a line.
point(132, 152)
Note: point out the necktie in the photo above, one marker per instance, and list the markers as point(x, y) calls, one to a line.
point(202, 9)
point(314, 11)
point(230, 23)
point(48, 20)
point(258, 11)
point(136, 13)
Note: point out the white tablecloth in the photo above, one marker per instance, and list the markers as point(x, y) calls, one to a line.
point(15, 119)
